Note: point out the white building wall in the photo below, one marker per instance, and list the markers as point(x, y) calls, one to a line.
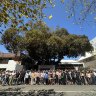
point(12, 65)
point(3, 66)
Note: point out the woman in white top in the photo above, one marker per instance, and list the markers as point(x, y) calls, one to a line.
point(26, 78)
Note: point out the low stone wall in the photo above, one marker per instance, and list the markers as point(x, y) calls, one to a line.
point(17, 92)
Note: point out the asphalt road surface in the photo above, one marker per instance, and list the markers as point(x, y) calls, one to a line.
point(69, 90)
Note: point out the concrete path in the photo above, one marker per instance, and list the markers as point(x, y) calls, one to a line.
point(69, 90)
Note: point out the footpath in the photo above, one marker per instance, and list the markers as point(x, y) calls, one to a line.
point(68, 90)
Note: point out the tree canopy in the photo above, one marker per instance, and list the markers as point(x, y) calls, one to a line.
point(44, 46)
point(35, 37)
point(13, 41)
point(13, 12)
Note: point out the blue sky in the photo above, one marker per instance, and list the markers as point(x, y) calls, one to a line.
point(60, 19)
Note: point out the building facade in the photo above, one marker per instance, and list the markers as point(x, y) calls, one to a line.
point(90, 57)
point(8, 62)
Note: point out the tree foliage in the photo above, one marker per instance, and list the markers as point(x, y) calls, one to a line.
point(81, 10)
point(44, 46)
point(76, 45)
point(61, 32)
point(13, 41)
point(13, 12)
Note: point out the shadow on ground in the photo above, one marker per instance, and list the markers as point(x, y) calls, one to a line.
point(18, 92)
point(51, 92)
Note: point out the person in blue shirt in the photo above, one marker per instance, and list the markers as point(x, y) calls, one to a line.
point(46, 78)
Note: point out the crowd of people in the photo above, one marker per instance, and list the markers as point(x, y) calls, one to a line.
point(48, 77)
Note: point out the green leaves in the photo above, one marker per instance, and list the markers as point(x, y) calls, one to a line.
point(13, 41)
point(50, 17)
point(17, 9)
point(61, 32)
point(14, 11)
point(44, 46)
point(76, 45)
point(38, 2)
point(81, 10)
point(62, 1)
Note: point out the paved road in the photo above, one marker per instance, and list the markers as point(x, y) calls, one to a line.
point(69, 90)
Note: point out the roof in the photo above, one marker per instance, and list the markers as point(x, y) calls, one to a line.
point(88, 54)
point(7, 55)
point(69, 62)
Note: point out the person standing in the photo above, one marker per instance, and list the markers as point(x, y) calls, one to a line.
point(22, 74)
point(42, 77)
point(3, 78)
point(59, 77)
point(65, 77)
point(82, 75)
point(88, 77)
point(26, 77)
point(46, 78)
point(32, 78)
point(69, 77)
point(78, 79)
point(94, 78)
point(0, 78)
point(10, 79)
point(56, 77)
point(62, 78)
point(73, 74)
point(37, 77)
